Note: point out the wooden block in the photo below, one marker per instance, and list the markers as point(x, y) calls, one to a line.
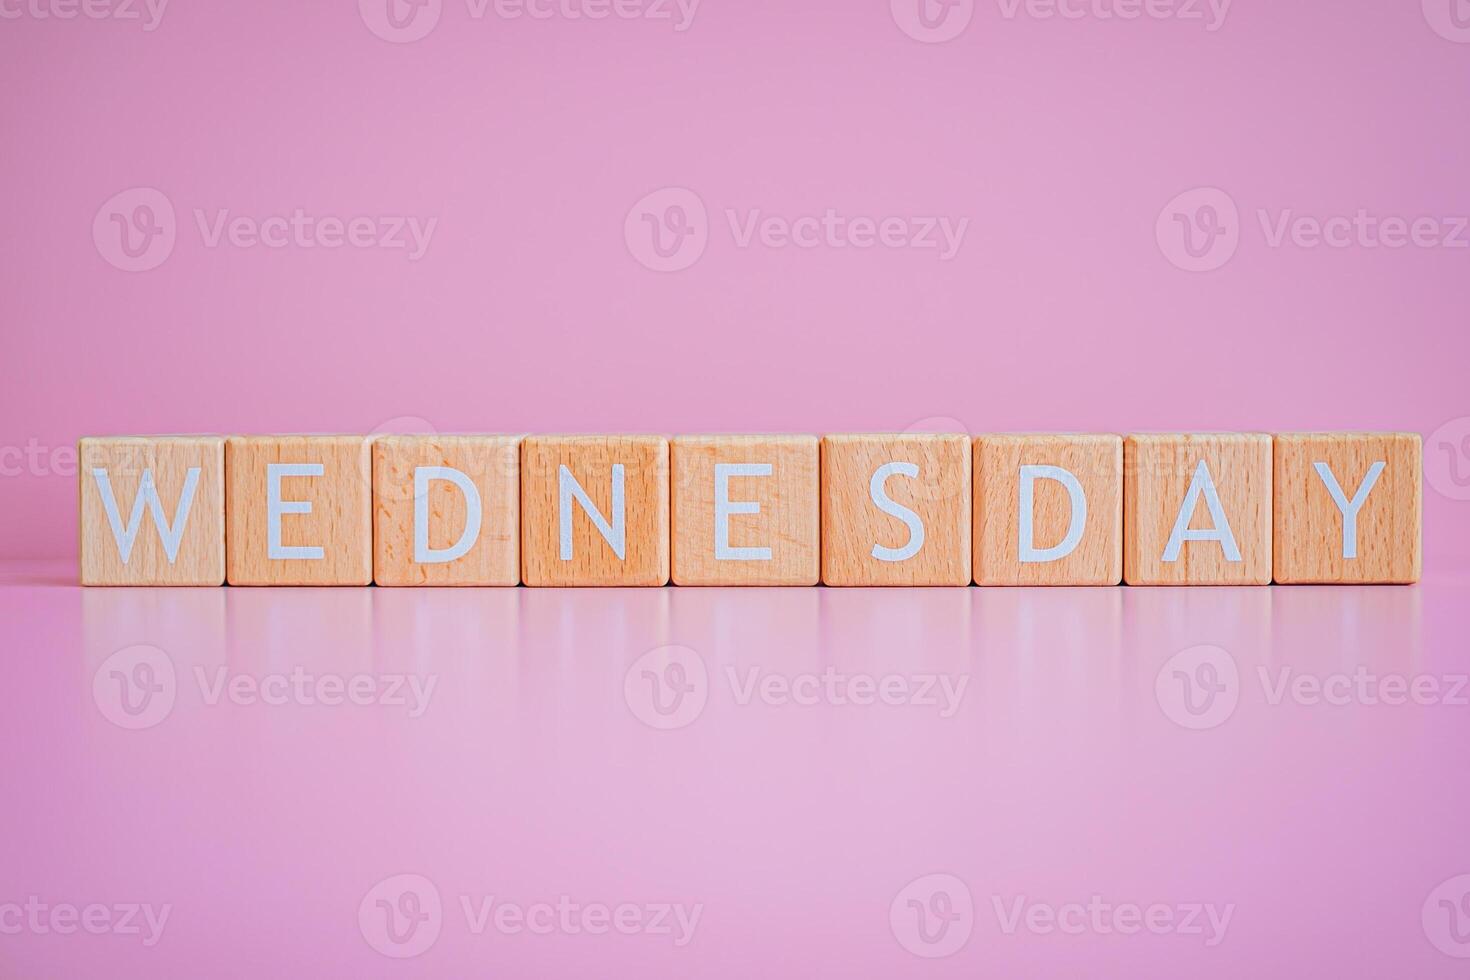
point(1197, 509)
point(896, 509)
point(595, 510)
point(446, 510)
point(1048, 509)
point(152, 510)
point(1320, 479)
point(745, 510)
point(299, 510)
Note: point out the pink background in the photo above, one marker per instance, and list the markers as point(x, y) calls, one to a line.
point(1075, 765)
point(530, 140)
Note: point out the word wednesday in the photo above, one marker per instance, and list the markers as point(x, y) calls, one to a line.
point(855, 510)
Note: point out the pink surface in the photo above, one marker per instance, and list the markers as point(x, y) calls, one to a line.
point(1315, 801)
point(1059, 140)
point(605, 749)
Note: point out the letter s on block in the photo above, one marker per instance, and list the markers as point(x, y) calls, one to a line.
point(887, 505)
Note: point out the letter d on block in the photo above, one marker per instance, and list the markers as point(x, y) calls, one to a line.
point(1025, 528)
point(474, 513)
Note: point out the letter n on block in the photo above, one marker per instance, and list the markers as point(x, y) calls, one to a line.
point(152, 510)
point(1048, 509)
point(595, 510)
point(1197, 509)
point(1348, 507)
point(299, 510)
point(896, 509)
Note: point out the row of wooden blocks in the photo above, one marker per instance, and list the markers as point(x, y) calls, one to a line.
point(856, 510)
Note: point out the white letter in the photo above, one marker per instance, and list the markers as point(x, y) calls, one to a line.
point(1201, 482)
point(275, 507)
point(1026, 531)
point(171, 533)
point(615, 533)
point(724, 508)
point(884, 503)
point(1349, 508)
point(422, 553)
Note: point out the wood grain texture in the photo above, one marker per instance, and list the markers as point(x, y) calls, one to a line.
point(492, 464)
point(788, 522)
point(1097, 463)
point(1157, 472)
point(200, 558)
point(340, 521)
point(1307, 536)
point(852, 524)
point(590, 459)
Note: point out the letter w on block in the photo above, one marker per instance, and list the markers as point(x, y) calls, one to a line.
point(152, 510)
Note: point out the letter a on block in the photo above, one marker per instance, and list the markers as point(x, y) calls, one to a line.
point(1165, 480)
point(152, 510)
point(595, 510)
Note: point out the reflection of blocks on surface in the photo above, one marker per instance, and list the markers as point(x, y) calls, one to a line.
point(299, 510)
point(896, 509)
point(152, 510)
point(1347, 507)
point(595, 510)
point(1197, 509)
point(745, 510)
point(1048, 509)
point(446, 510)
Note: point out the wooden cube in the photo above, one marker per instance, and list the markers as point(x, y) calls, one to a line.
point(152, 510)
point(299, 510)
point(595, 510)
point(1197, 509)
point(1347, 507)
point(745, 510)
point(896, 509)
point(1048, 509)
point(446, 510)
